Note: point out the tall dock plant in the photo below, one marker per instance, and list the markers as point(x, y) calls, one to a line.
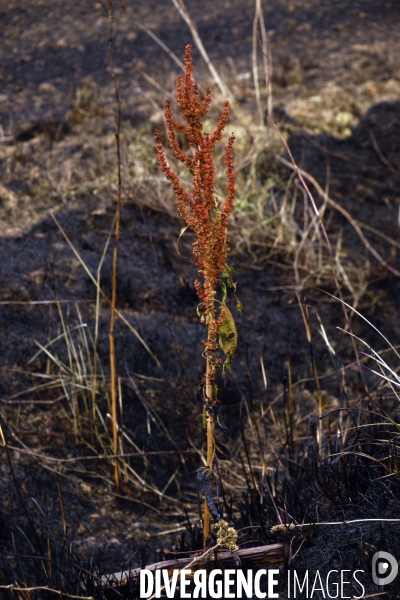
point(203, 213)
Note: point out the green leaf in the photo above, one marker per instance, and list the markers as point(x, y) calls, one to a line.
point(228, 273)
point(227, 336)
point(224, 290)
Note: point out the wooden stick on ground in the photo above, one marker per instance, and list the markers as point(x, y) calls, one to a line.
point(265, 557)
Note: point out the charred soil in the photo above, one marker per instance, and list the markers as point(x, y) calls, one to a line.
point(335, 87)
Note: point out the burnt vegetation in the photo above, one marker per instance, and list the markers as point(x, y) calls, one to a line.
point(110, 460)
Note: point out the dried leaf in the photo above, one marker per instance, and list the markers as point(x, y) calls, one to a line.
point(204, 478)
point(221, 450)
point(182, 231)
point(200, 313)
point(220, 419)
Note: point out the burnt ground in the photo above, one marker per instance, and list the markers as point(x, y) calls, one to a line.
point(335, 87)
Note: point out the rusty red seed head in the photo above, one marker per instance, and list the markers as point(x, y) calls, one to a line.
point(199, 206)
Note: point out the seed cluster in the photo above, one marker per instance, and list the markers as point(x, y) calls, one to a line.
point(199, 207)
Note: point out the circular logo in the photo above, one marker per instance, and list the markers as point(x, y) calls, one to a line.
point(385, 571)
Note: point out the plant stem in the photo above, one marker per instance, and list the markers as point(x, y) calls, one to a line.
point(115, 252)
point(210, 438)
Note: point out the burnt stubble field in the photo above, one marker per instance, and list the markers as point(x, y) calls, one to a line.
point(310, 424)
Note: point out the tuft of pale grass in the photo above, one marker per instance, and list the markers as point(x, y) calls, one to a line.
point(75, 374)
